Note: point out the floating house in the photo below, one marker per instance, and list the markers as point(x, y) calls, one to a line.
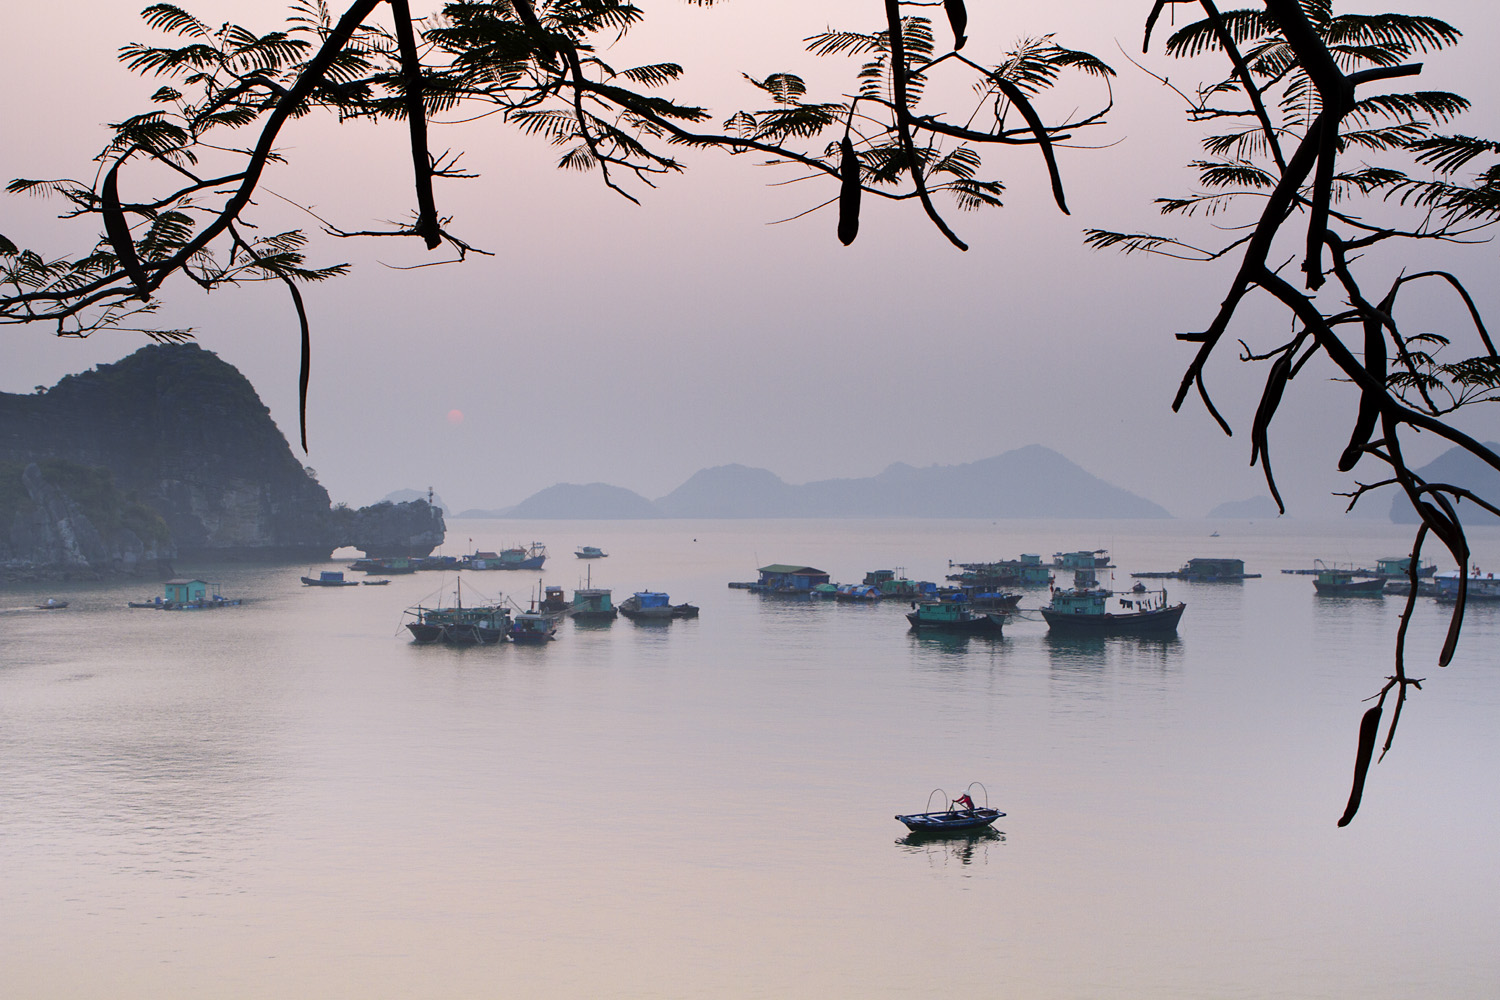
point(1206, 570)
point(1401, 566)
point(185, 591)
point(1215, 569)
point(1097, 559)
point(780, 578)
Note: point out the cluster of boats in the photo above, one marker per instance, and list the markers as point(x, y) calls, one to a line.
point(531, 556)
point(1393, 575)
point(978, 605)
point(488, 624)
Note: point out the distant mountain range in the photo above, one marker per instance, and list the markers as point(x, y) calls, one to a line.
point(1256, 508)
point(1458, 468)
point(1030, 482)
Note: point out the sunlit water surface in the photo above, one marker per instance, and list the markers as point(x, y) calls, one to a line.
point(290, 799)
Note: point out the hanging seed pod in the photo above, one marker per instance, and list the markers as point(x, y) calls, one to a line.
point(118, 231)
point(958, 17)
point(1369, 402)
point(849, 193)
point(1369, 728)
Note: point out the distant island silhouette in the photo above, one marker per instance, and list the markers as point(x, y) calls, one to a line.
point(1029, 482)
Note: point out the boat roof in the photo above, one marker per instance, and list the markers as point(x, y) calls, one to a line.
point(785, 568)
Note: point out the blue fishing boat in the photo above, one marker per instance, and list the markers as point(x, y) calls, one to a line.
point(953, 616)
point(532, 626)
point(962, 815)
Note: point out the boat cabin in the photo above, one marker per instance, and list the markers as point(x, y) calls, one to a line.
point(784, 579)
point(1401, 566)
point(592, 600)
point(1079, 560)
point(651, 599)
point(1079, 602)
point(185, 591)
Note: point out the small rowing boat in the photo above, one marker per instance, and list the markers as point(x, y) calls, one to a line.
point(962, 814)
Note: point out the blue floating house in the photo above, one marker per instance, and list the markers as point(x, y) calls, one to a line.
point(185, 591)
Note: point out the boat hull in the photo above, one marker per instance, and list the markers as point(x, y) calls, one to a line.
point(424, 633)
point(1160, 622)
point(1352, 588)
point(950, 820)
point(977, 625)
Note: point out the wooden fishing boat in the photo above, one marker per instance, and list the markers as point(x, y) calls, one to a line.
point(476, 625)
point(652, 605)
point(1085, 611)
point(953, 616)
point(532, 626)
point(962, 815)
point(328, 578)
point(590, 552)
point(1347, 582)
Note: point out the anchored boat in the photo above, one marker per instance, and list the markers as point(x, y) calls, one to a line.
point(953, 616)
point(1084, 610)
point(962, 815)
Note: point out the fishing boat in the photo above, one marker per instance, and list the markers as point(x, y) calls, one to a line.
point(375, 583)
point(517, 557)
point(1084, 610)
point(593, 604)
point(952, 616)
point(532, 626)
point(590, 552)
point(1347, 583)
point(329, 578)
point(1476, 587)
point(652, 605)
point(52, 604)
point(476, 625)
point(554, 602)
point(962, 815)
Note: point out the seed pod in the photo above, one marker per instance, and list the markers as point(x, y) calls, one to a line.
point(1369, 728)
point(849, 193)
point(118, 231)
point(958, 17)
point(1369, 402)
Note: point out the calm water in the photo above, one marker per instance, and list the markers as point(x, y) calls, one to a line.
point(289, 799)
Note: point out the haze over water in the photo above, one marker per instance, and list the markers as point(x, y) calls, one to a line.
point(290, 799)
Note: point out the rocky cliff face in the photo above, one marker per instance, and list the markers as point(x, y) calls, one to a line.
point(186, 433)
point(60, 519)
point(387, 529)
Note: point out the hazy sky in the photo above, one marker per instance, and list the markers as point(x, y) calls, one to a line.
point(636, 344)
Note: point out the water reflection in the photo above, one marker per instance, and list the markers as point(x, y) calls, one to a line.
point(1096, 651)
point(948, 643)
point(965, 847)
